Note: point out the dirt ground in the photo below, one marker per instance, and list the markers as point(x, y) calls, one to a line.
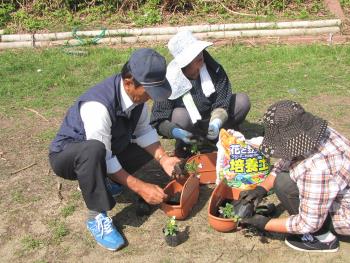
point(33, 227)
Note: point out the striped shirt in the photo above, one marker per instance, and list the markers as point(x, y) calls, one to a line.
point(323, 180)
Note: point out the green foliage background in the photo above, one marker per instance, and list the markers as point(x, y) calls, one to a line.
point(35, 15)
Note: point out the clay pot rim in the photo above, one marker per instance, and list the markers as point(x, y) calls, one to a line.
point(174, 181)
point(204, 172)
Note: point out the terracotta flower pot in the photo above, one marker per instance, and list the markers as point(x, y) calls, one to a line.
point(189, 190)
point(207, 167)
point(221, 193)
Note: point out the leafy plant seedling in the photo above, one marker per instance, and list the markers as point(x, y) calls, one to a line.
point(191, 167)
point(171, 227)
point(227, 211)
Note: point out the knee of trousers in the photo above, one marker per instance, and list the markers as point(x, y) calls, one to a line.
point(243, 102)
point(281, 185)
point(94, 149)
point(240, 106)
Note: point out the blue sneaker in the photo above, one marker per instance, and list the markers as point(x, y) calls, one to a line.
point(104, 232)
point(114, 188)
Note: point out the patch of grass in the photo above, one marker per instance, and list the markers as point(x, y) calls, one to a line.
point(68, 210)
point(17, 196)
point(47, 135)
point(271, 73)
point(53, 75)
point(265, 73)
point(58, 230)
point(148, 14)
point(345, 3)
point(76, 196)
point(30, 243)
point(43, 15)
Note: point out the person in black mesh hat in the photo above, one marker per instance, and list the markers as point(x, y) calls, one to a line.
point(311, 179)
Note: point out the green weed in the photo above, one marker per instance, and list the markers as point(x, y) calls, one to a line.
point(31, 243)
point(345, 3)
point(68, 210)
point(58, 230)
point(149, 14)
point(304, 14)
point(17, 196)
point(28, 21)
point(5, 13)
point(62, 15)
point(76, 196)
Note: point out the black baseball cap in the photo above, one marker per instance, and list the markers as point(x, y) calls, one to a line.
point(148, 68)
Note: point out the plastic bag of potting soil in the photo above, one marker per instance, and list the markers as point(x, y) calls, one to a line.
point(239, 164)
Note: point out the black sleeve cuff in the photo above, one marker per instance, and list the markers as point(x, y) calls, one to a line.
point(165, 128)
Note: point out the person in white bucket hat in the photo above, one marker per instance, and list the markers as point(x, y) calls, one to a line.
point(201, 98)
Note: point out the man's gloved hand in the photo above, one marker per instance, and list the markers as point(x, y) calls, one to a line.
point(183, 135)
point(257, 221)
point(255, 195)
point(214, 129)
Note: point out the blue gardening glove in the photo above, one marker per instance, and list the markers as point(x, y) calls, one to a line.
point(183, 135)
point(214, 129)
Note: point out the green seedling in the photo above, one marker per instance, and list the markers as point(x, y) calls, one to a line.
point(171, 227)
point(191, 167)
point(194, 149)
point(227, 211)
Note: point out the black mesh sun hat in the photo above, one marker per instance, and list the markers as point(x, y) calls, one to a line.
point(290, 131)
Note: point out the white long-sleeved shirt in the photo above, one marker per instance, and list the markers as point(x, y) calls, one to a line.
point(97, 125)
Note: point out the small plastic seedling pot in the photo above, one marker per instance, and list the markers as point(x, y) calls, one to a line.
point(189, 189)
point(221, 193)
point(172, 241)
point(206, 167)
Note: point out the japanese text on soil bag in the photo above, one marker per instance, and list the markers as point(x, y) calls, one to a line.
point(246, 160)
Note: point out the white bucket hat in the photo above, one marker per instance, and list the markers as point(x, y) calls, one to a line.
point(185, 47)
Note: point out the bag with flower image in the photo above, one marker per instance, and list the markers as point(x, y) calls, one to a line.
point(239, 164)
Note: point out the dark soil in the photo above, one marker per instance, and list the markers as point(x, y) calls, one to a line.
point(174, 199)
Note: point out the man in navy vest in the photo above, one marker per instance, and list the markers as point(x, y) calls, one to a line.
point(105, 137)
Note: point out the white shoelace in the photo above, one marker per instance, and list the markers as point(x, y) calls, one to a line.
point(307, 237)
point(104, 224)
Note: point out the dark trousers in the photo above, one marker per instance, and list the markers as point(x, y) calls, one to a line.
point(86, 162)
point(288, 194)
point(238, 110)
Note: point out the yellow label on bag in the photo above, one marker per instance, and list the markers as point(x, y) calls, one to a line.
point(240, 165)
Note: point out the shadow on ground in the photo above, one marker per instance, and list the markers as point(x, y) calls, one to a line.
point(135, 213)
point(251, 130)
